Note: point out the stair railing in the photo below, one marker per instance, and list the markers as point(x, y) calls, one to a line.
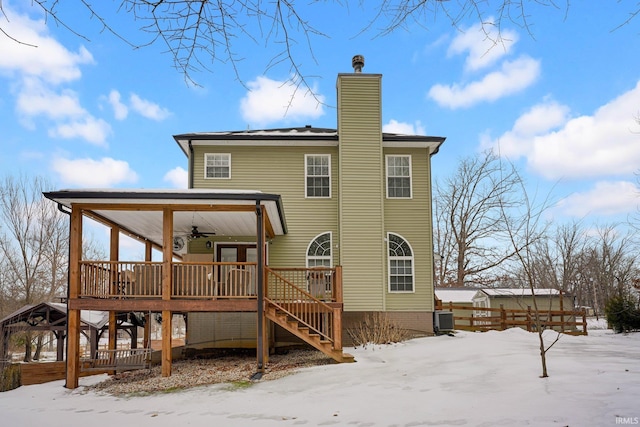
point(300, 305)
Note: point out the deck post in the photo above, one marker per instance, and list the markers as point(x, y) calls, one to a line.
point(338, 284)
point(166, 343)
point(73, 316)
point(167, 276)
point(337, 328)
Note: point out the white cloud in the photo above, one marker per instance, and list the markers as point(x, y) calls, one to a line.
point(402, 128)
point(88, 128)
point(557, 146)
point(605, 198)
point(148, 109)
point(270, 101)
point(63, 109)
point(37, 54)
point(37, 99)
point(541, 118)
point(513, 77)
point(483, 44)
point(177, 177)
point(120, 110)
point(103, 173)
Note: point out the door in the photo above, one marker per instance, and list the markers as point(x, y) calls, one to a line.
point(238, 280)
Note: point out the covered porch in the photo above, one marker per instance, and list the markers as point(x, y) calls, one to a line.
point(306, 302)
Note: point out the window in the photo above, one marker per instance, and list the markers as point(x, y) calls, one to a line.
point(400, 264)
point(217, 166)
point(399, 177)
point(319, 251)
point(317, 175)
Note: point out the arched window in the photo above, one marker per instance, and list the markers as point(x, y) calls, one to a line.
point(400, 264)
point(319, 251)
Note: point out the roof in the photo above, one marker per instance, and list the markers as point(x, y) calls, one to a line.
point(513, 292)
point(463, 295)
point(223, 212)
point(57, 312)
point(306, 135)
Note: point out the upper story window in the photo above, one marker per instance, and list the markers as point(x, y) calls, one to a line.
point(398, 176)
point(217, 165)
point(319, 251)
point(400, 264)
point(317, 175)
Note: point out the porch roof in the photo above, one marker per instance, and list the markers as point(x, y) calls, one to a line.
point(138, 212)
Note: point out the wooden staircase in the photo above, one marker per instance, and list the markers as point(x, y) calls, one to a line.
point(305, 333)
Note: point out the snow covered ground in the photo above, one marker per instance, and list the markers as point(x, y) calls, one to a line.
point(470, 379)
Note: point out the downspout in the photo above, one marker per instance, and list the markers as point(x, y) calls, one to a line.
point(190, 165)
point(259, 249)
point(62, 209)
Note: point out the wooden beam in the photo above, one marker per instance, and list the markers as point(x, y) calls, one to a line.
point(75, 252)
point(167, 277)
point(73, 349)
point(157, 305)
point(166, 343)
point(114, 255)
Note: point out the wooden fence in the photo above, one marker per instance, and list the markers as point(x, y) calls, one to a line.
point(491, 319)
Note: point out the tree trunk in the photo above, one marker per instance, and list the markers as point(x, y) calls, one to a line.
point(543, 354)
point(27, 347)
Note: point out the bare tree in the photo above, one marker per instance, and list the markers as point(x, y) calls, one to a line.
point(33, 244)
point(470, 224)
point(559, 258)
point(525, 231)
point(611, 265)
point(199, 33)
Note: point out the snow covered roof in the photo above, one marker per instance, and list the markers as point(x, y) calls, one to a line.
point(511, 292)
point(456, 295)
point(96, 319)
point(306, 135)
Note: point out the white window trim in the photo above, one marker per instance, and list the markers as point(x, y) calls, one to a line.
point(306, 253)
point(306, 195)
point(205, 165)
point(386, 173)
point(413, 266)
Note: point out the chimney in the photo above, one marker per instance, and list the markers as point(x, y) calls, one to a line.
point(357, 62)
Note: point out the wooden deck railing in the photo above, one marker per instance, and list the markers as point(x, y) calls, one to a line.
point(320, 282)
point(288, 290)
point(487, 319)
point(190, 280)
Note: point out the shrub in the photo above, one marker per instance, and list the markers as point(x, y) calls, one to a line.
point(623, 314)
point(9, 376)
point(377, 328)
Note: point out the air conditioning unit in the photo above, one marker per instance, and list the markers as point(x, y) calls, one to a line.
point(443, 321)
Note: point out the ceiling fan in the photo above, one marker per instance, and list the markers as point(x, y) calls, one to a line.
point(196, 234)
point(179, 242)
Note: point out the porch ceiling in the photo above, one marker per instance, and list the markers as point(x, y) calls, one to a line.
point(139, 212)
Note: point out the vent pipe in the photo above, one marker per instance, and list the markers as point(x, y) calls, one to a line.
point(357, 62)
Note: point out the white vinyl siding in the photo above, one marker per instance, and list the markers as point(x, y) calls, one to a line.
point(398, 176)
point(317, 175)
point(217, 166)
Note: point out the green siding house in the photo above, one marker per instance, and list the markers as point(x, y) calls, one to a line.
point(284, 235)
point(354, 197)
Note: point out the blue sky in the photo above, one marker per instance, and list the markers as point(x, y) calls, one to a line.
point(559, 99)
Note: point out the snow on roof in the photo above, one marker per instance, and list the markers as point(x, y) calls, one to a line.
point(90, 317)
point(511, 292)
point(456, 295)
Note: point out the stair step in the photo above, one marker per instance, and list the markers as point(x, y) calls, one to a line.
point(348, 358)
